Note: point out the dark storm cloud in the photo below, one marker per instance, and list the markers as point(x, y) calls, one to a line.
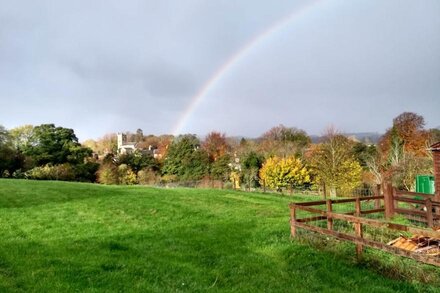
point(105, 66)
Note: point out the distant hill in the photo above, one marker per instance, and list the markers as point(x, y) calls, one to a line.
point(365, 137)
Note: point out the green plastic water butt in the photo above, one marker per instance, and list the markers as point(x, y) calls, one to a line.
point(425, 184)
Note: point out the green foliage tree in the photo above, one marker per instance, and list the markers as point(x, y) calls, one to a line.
point(22, 136)
point(251, 164)
point(278, 173)
point(10, 159)
point(138, 161)
point(185, 159)
point(220, 169)
point(362, 152)
point(55, 145)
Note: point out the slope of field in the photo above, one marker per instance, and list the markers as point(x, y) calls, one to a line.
point(66, 237)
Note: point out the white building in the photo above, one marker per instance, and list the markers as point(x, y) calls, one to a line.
point(125, 147)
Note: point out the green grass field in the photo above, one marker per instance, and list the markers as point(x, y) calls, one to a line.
point(73, 237)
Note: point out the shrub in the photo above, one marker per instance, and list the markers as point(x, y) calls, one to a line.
point(6, 174)
point(278, 173)
point(18, 174)
point(86, 171)
point(126, 175)
point(147, 177)
point(108, 174)
point(62, 172)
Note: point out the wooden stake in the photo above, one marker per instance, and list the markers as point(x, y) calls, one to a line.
point(329, 210)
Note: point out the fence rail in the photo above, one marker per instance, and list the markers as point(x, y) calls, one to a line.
point(320, 216)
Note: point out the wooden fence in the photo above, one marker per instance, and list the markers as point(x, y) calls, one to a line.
point(385, 206)
point(414, 206)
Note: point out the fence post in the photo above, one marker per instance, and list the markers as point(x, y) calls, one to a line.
point(388, 194)
point(429, 218)
point(377, 193)
point(329, 210)
point(292, 221)
point(325, 191)
point(358, 228)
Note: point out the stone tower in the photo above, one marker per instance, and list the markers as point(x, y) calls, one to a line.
point(121, 140)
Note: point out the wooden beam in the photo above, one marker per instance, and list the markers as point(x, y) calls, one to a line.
point(366, 212)
point(309, 203)
point(411, 212)
point(311, 219)
point(401, 193)
point(410, 200)
point(371, 243)
point(381, 224)
point(311, 210)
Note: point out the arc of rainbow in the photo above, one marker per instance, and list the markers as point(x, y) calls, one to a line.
point(237, 56)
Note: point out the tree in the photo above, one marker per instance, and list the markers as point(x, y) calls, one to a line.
point(434, 135)
point(4, 135)
point(139, 135)
point(138, 161)
point(215, 145)
point(10, 159)
point(284, 141)
point(105, 145)
point(334, 163)
point(403, 149)
point(22, 136)
point(185, 159)
point(251, 164)
point(410, 166)
point(220, 169)
point(410, 128)
point(55, 145)
point(362, 153)
point(278, 173)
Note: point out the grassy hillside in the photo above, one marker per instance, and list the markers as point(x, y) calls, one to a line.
point(65, 237)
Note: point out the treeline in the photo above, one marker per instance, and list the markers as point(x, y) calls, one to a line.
point(45, 152)
point(281, 158)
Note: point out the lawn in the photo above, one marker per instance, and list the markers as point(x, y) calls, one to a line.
point(75, 237)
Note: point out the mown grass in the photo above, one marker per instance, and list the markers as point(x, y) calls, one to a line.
point(74, 237)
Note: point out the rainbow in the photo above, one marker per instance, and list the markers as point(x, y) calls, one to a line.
point(235, 58)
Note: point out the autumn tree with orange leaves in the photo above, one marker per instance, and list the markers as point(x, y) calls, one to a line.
point(403, 151)
point(215, 145)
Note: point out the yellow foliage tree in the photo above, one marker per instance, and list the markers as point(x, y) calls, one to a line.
point(334, 165)
point(235, 179)
point(278, 173)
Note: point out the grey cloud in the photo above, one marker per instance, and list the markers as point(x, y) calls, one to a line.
point(103, 66)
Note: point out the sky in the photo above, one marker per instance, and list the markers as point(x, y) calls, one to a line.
point(238, 67)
